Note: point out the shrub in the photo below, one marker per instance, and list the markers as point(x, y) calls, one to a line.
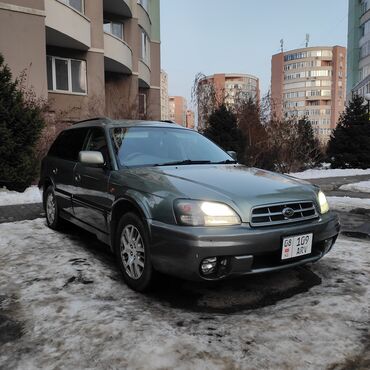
point(21, 123)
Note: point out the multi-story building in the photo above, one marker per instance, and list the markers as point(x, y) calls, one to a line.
point(358, 53)
point(310, 82)
point(165, 114)
point(227, 89)
point(177, 109)
point(190, 119)
point(86, 57)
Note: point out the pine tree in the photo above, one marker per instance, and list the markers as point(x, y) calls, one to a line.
point(349, 145)
point(309, 151)
point(222, 129)
point(21, 123)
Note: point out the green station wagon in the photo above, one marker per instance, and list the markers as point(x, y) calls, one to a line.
point(166, 199)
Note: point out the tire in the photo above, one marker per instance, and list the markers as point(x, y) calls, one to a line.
point(51, 209)
point(133, 252)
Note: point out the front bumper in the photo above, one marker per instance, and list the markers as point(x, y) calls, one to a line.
point(179, 250)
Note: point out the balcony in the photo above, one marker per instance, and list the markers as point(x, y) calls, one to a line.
point(66, 27)
point(118, 7)
point(144, 20)
point(117, 55)
point(144, 75)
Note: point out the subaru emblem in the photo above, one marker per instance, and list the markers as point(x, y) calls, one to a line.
point(288, 212)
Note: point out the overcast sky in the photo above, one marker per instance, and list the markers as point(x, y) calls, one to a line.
point(217, 36)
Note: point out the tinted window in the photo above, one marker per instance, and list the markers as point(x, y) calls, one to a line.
point(148, 146)
point(68, 144)
point(97, 142)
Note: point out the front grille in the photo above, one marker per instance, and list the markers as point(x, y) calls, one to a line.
point(269, 215)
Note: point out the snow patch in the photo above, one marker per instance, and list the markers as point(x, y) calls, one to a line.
point(324, 173)
point(30, 195)
point(359, 187)
point(347, 203)
point(105, 324)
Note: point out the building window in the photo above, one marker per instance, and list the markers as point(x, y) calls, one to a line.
point(145, 47)
point(66, 75)
point(142, 104)
point(144, 4)
point(114, 28)
point(75, 4)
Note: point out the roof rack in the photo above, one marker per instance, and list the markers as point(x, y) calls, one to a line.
point(93, 119)
point(168, 121)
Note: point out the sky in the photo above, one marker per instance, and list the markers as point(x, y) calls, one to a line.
point(240, 36)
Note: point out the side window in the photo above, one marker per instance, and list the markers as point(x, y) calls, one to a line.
point(68, 144)
point(97, 142)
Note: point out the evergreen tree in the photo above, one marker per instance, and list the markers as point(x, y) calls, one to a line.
point(21, 123)
point(349, 145)
point(223, 130)
point(309, 152)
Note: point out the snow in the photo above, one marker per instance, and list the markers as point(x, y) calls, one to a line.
point(324, 173)
point(361, 187)
point(30, 195)
point(347, 203)
point(75, 311)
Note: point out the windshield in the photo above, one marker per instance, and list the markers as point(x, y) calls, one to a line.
point(156, 146)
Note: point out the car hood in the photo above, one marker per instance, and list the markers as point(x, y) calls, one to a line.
point(239, 186)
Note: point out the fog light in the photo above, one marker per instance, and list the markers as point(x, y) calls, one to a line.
point(208, 265)
point(328, 243)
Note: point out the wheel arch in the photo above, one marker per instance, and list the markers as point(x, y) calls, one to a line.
point(121, 207)
point(44, 184)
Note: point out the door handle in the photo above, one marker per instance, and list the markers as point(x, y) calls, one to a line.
point(55, 171)
point(78, 177)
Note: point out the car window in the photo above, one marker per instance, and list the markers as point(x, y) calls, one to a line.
point(149, 146)
point(68, 144)
point(96, 141)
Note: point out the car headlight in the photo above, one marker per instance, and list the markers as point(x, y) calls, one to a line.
point(198, 213)
point(324, 205)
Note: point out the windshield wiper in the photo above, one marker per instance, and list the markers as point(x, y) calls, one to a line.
point(228, 161)
point(184, 162)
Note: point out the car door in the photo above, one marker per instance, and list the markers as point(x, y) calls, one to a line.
point(62, 159)
point(92, 201)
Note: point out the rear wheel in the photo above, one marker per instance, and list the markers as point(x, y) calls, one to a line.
point(132, 251)
point(51, 209)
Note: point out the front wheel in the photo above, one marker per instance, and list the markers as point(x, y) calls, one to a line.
point(51, 209)
point(133, 254)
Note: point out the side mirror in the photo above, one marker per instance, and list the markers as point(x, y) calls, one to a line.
point(91, 158)
point(232, 154)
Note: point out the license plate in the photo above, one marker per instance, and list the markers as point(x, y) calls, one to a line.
point(296, 246)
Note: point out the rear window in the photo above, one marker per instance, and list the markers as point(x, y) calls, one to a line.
point(68, 144)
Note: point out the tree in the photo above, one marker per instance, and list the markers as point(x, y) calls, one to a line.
point(254, 133)
point(349, 145)
point(21, 123)
point(292, 144)
point(223, 130)
point(308, 149)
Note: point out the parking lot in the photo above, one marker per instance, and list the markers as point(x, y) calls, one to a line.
point(63, 305)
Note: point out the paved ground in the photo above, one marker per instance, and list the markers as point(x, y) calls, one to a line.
point(331, 185)
point(21, 212)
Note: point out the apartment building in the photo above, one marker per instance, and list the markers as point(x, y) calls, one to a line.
point(225, 88)
point(165, 114)
point(310, 82)
point(178, 109)
point(358, 53)
point(86, 57)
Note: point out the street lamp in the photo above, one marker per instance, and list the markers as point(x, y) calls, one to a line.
point(367, 98)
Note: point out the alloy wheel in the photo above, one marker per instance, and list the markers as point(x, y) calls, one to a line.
point(50, 208)
point(132, 251)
